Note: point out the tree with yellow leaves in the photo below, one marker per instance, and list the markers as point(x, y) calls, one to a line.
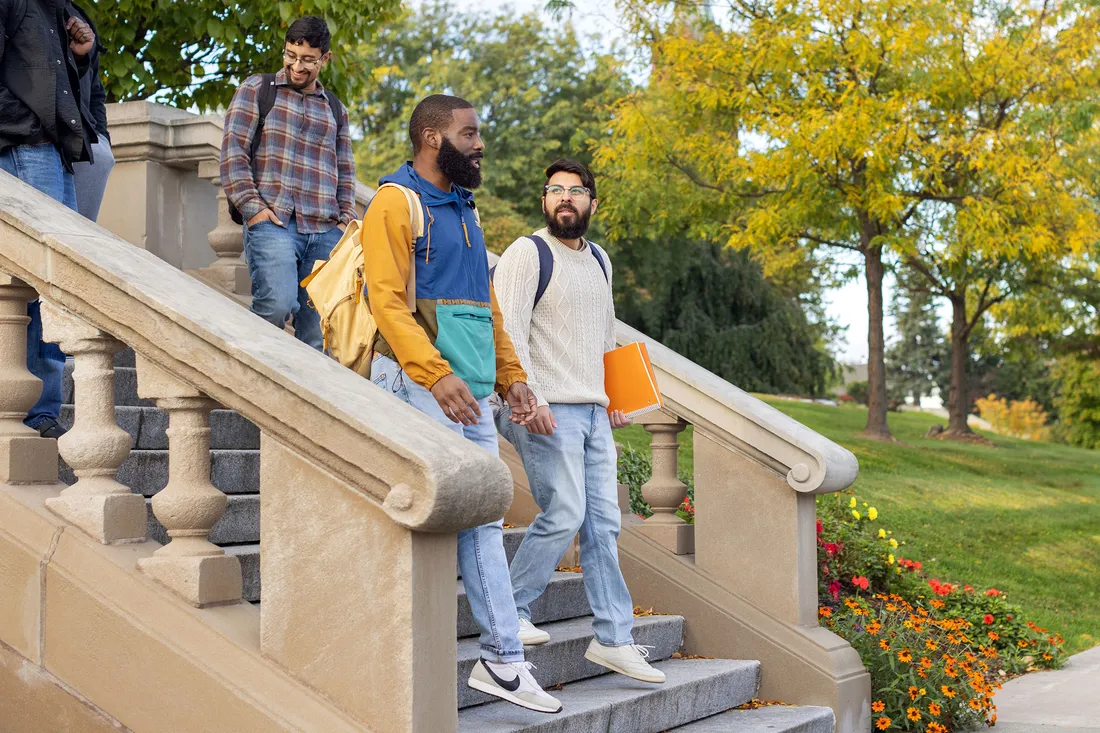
point(953, 137)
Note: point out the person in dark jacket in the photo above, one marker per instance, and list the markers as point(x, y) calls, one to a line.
point(44, 127)
point(91, 178)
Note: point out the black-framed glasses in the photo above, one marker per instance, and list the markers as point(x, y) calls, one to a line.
point(574, 191)
point(306, 63)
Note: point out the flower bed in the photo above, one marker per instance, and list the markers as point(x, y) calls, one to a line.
point(936, 651)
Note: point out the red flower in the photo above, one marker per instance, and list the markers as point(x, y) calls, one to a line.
point(831, 548)
point(993, 592)
point(987, 619)
point(819, 526)
point(860, 582)
point(834, 590)
point(968, 588)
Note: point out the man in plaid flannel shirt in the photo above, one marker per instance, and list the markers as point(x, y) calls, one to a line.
point(298, 195)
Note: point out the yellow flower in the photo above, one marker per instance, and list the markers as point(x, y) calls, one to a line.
point(852, 503)
point(856, 514)
point(881, 533)
point(872, 514)
point(890, 559)
point(893, 543)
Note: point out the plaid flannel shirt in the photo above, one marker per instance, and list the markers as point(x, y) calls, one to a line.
point(304, 164)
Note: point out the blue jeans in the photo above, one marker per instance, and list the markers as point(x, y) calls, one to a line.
point(278, 259)
point(481, 555)
point(40, 166)
point(574, 481)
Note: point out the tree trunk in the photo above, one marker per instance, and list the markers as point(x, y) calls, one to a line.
point(876, 350)
point(958, 398)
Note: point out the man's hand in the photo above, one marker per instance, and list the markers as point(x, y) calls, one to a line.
point(543, 422)
point(265, 215)
point(522, 401)
point(81, 38)
point(343, 226)
point(456, 400)
point(619, 420)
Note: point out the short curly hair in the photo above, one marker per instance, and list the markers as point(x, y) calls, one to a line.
point(433, 113)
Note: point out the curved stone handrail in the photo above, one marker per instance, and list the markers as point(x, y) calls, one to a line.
point(812, 463)
point(425, 477)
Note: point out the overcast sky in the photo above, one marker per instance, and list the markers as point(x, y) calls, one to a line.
point(847, 305)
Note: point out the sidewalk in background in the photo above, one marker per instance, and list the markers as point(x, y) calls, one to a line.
point(1062, 701)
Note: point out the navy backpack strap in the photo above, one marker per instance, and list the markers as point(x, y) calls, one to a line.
point(599, 258)
point(265, 101)
point(546, 266)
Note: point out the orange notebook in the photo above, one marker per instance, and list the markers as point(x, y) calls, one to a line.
point(629, 380)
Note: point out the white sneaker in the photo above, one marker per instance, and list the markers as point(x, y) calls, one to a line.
point(530, 634)
point(629, 660)
point(512, 682)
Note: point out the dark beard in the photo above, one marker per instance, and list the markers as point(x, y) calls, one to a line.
point(457, 167)
point(576, 230)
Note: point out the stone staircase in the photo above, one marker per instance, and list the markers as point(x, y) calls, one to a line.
point(696, 698)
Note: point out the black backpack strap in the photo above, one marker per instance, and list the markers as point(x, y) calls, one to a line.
point(599, 258)
point(335, 106)
point(546, 266)
point(266, 100)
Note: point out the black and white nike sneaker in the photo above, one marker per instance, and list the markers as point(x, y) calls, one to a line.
point(512, 682)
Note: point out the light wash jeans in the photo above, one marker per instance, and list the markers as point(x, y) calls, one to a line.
point(91, 179)
point(573, 479)
point(481, 555)
point(40, 166)
point(278, 259)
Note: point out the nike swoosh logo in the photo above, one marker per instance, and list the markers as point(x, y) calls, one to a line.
point(510, 686)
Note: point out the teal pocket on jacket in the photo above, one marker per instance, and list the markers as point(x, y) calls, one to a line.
point(465, 340)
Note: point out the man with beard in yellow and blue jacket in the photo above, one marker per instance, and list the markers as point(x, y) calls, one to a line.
point(448, 356)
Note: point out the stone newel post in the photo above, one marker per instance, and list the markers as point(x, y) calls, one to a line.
point(229, 271)
point(189, 506)
point(25, 457)
point(96, 446)
point(664, 492)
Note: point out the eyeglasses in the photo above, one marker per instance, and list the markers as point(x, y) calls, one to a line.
point(306, 63)
point(574, 191)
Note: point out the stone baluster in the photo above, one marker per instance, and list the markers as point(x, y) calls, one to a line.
point(25, 457)
point(189, 506)
point(664, 492)
point(96, 446)
point(229, 271)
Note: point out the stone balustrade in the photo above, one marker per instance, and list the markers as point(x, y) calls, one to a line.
point(339, 459)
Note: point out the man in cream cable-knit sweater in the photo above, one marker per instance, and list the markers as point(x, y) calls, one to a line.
point(560, 336)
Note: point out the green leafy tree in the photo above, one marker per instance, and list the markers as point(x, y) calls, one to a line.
point(1078, 401)
point(919, 355)
point(195, 53)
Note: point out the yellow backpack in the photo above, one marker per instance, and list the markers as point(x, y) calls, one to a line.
point(335, 289)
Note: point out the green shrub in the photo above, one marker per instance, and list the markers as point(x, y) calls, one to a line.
point(635, 468)
point(859, 392)
point(1078, 401)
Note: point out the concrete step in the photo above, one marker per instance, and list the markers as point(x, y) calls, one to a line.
point(561, 660)
point(146, 471)
point(564, 599)
point(513, 536)
point(125, 386)
point(249, 555)
point(124, 358)
point(240, 524)
point(695, 688)
point(774, 719)
point(146, 426)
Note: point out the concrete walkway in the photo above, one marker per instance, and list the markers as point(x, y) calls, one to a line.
point(1063, 701)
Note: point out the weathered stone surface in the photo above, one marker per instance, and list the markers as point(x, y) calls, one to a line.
point(776, 719)
point(146, 426)
point(561, 660)
point(239, 524)
point(564, 599)
point(694, 688)
point(146, 471)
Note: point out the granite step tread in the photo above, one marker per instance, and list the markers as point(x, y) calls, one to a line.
point(563, 599)
point(249, 555)
point(146, 471)
point(773, 719)
point(239, 524)
point(695, 688)
point(147, 425)
point(561, 660)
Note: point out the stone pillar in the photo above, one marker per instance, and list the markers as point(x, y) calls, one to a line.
point(189, 506)
point(25, 457)
point(664, 492)
point(229, 271)
point(96, 446)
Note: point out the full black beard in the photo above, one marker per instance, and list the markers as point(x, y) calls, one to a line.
point(576, 230)
point(457, 167)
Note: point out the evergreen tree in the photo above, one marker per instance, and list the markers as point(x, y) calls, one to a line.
point(917, 360)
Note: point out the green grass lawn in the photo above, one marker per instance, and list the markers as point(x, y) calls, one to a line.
point(1020, 516)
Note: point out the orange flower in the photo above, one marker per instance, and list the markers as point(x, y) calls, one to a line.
point(912, 714)
point(883, 723)
point(1022, 644)
point(930, 645)
point(934, 709)
point(975, 703)
point(935, 727)
point(947, 691)
point(905, 656)
point(936, 603)
point(884, 645)
point(878, 706)
point(993, 636)
point(926, 663)
point(825, 612)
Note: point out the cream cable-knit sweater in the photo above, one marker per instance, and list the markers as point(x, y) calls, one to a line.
point(561, 342)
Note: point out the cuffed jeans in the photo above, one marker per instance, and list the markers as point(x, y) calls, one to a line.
point(573, 479)
point(40, 166)
point(481, 555)
point(278, 259)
